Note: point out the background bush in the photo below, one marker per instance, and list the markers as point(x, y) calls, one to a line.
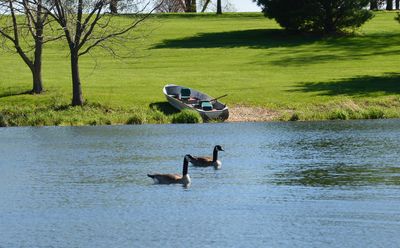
point(326, 16)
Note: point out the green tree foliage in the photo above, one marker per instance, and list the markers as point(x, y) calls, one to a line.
point(326, 16)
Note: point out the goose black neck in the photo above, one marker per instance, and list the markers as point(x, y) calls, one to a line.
point(215, 155)
point(185, 167)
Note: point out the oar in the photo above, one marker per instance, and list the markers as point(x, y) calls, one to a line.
point(218, 98)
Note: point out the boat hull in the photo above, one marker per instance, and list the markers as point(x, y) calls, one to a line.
point(219, 112)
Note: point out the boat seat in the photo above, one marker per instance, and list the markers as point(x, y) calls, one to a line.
point(207, 106)
point(185, 94)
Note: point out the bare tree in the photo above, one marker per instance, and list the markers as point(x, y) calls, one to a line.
point(176, 6)
point(170, 6)
point(217, 6)
point(88, 24)
point(21, 19)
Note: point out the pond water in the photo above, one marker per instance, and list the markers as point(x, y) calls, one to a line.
point(303, 184)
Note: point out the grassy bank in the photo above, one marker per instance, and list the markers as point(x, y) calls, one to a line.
point(298, 77)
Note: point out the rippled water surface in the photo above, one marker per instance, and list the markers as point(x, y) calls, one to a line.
point(320, 184)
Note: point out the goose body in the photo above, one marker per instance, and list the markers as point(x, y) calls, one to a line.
point(170, 178)
point(174, 178)
point(208, 161)
point(205, 162)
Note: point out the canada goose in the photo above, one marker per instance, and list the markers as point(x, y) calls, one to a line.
point(208, 161)
point(174, 178)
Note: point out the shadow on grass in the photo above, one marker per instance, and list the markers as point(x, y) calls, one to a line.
point(389, 83)
point(164, 107)
point(14, 93)
point(327, 48)
point(255, 38)
point(342, 48)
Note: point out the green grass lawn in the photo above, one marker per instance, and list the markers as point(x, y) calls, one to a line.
point(247, 56)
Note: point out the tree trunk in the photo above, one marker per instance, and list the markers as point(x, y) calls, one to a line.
point(329, 26)
point(389, 4)
point(77, 99)
point(188, 6)
point(219, 7)
point(373, 5)
point(205, 6)
point(194, 6)
point(114, 6)
point(397, 4)
point(37, 70)
point(37, 63)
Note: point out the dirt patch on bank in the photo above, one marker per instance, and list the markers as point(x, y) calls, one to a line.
point(250, 114)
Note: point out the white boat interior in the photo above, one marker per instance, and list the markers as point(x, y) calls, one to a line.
point(194, 98)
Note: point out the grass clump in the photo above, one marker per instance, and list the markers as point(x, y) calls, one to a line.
point(187, 116)
point(100, 121)
point(136, 119)
point(374, 113)
point(158, 117)
point(339, 114)
point(294, 117)
point(3, 120)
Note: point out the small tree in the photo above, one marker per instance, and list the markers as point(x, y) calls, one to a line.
point(326, 16)
point(23, 23)
point(87, 25)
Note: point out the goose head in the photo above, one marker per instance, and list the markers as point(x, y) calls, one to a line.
point(188, 157)
point(219, 148)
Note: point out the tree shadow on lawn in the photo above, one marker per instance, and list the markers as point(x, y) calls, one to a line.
point(327, 48)
point(255, 38)
point(388, 84)
point(163, 107)
point(14, 92)
point(342, 48)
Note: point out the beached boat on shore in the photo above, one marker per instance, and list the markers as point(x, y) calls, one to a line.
point(209, 108)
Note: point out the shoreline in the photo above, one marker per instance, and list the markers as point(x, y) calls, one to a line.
point(242, 113)
point(95, 114)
